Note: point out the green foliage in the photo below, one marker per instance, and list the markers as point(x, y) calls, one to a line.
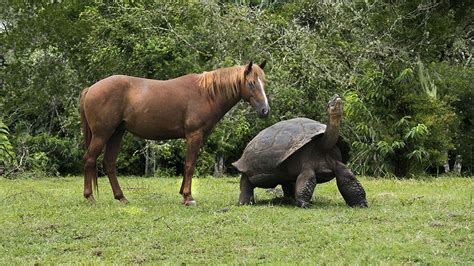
point(404, 69)
point(6, 148)
point(426, 221)
point(48, 154)
point(168, 157)
point(130, 159)
point(400, 129)
point(455, 84)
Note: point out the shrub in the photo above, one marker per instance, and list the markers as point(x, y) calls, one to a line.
point(6, 148)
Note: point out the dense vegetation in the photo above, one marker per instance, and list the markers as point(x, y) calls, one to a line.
point(404, 70)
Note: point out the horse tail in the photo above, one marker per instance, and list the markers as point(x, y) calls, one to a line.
point(86, 130)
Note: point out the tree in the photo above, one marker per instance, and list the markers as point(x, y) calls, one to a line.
point(404, 70)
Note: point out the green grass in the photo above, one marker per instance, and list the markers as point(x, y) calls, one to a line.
point(408, 221)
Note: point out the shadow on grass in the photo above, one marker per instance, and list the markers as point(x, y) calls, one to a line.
point(290, 203)
point(278, 199)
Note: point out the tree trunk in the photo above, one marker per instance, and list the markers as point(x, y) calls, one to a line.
point(401, 165)
point(150, 159)
point(446, 166)
point(458, 165)
point(219, 166)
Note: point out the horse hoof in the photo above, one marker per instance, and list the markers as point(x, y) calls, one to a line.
point(124, 200)
point(90, 199)
point(190, 203)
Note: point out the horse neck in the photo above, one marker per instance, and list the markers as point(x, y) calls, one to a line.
point(221, 104)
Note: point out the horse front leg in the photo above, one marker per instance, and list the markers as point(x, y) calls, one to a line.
point(193, 143)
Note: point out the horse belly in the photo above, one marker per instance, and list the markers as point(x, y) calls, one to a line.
point(155, 127)
point(156, 117)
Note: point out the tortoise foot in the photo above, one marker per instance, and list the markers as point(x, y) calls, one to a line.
point(362, 204)
point(242, 203)
point(247, 201)
point(303, 204)
point(290, 201)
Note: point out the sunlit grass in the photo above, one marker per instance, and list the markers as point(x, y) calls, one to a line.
point(48, 221)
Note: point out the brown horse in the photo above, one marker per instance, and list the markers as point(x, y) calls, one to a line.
point(185, 107)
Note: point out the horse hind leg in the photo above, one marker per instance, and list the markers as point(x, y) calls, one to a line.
point(110, 163)
point(90, 165)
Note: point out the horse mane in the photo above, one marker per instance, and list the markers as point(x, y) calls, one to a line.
point(226, 81)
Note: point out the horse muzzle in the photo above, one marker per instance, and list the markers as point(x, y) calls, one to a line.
point(264, 112)
point(262, 109)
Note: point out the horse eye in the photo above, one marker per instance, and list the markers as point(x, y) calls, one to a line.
point(251, 84)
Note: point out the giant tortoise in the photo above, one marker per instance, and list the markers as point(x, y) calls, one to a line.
point(298, 154)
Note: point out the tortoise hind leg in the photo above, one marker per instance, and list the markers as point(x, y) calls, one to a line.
point(246, 191)
point(289, 193)
point(288, 190)
point(349, 187)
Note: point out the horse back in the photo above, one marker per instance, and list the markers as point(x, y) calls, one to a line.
point(152, 109)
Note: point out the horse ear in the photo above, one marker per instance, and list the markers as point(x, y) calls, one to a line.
point(248, 69)
point(262, 65)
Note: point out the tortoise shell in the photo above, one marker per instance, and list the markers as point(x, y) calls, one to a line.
point(276, 143)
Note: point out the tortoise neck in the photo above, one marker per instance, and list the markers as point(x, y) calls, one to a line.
point(331, 135)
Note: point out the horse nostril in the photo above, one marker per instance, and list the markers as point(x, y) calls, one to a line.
point(264, 111)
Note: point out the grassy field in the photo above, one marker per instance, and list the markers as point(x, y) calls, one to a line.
point(408, 221)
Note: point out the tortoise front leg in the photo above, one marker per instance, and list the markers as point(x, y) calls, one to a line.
point(305, 184)
point(246, 191)
point(349, 187)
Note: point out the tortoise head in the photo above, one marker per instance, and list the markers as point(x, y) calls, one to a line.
point(335, 110)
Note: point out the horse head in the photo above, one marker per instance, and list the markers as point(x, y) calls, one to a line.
point(253, 90)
